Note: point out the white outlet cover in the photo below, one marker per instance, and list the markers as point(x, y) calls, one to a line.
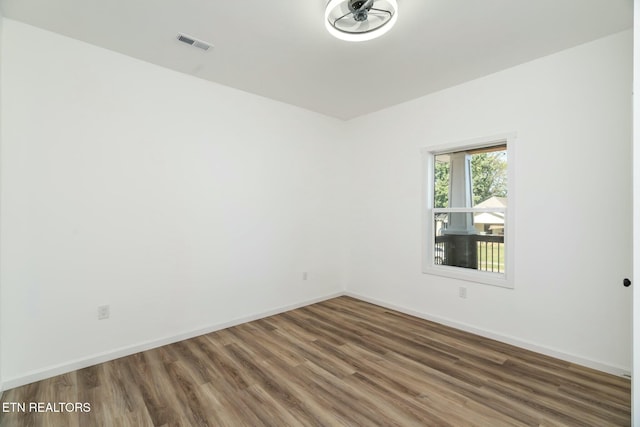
point(103, 312)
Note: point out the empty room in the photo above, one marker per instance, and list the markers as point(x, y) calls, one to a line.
point(319, 212)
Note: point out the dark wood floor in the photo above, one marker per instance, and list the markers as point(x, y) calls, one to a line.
point(342, 362)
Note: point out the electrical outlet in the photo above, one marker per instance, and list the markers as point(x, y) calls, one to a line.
point(103, 312)
point(462, 291)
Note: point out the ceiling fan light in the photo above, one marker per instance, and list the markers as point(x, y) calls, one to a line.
point(358, 36)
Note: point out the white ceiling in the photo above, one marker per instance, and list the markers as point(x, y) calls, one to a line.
point(280, 48)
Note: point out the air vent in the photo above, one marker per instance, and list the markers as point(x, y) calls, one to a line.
point(194, 42)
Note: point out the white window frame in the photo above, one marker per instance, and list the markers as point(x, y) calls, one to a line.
point(429, 266)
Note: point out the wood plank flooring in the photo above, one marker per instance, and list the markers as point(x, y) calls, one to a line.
point(342, 362)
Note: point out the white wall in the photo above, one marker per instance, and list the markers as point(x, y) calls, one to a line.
point(1, 31)
point(572, 114)
point(635, 384)
point(182, 204)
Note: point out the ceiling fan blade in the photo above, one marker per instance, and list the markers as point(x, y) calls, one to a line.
point(335, 21)
point(375, 11)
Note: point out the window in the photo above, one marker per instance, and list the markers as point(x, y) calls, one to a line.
point(467, 217)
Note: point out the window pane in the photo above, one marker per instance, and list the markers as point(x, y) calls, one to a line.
point(491, 253)
point(441, 179)
point(489, 176)
point(478, 175)
point(482, 250)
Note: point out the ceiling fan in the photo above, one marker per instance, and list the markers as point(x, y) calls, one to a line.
point(360, 20)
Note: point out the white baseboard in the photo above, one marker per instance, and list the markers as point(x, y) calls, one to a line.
point(614, 370)
point(73, 365)
point(148, 345)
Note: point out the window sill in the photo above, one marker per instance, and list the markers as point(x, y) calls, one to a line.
point(482, 277)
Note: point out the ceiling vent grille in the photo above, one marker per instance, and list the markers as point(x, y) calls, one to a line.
point(194, 42)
